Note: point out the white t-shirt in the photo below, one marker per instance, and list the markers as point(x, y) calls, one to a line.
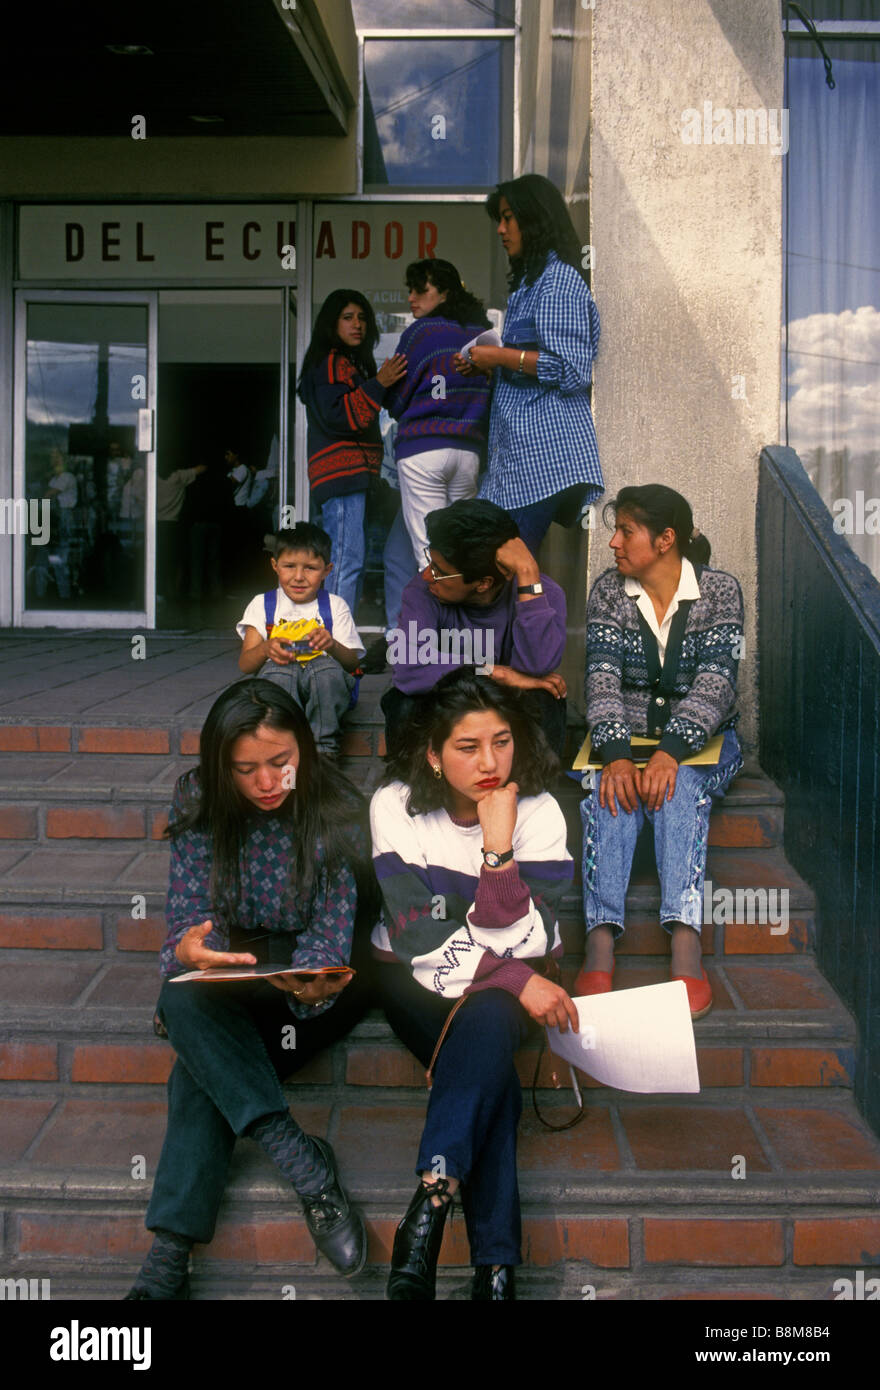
point(65, 488)
point(344, 630)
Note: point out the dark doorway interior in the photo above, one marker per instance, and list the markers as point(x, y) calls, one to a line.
point(222, 417)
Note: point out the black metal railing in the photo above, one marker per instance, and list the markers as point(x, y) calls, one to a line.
point(819, 678)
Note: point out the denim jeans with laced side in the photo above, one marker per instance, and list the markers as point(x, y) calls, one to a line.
point(681, 837)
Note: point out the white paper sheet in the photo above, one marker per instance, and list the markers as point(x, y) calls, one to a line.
point(634, 1039)
point(488, 338)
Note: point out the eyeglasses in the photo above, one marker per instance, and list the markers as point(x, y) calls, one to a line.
point(434, 572)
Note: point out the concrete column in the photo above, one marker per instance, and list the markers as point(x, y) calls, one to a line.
point(688, 263)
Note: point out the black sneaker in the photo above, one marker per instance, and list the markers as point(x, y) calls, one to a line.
point(336, 1227)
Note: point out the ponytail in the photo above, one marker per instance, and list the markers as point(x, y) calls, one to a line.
point(660, 508)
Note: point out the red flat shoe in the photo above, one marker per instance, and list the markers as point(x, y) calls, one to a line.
point(593, 982)
point(699, 993)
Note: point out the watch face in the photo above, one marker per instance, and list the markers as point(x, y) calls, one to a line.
point(492, 859)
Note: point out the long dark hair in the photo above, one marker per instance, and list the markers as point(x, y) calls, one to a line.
point(544, 224)
point(459, 693)
point(657, 507)
point(326, 340)
point(459, 304)
point(327, 814)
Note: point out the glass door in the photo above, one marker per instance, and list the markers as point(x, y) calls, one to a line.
point(220, 452)
point(85, 459)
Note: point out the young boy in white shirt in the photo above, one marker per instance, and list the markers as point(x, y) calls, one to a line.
point(303, 638)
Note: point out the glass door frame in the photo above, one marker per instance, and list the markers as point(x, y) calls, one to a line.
point(85, 618)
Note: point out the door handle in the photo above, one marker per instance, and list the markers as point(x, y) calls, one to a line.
point(145, 431)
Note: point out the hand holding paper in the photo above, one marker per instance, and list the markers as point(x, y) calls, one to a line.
point(638, 1040)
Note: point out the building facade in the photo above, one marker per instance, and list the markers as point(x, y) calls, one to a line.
point(176, 206)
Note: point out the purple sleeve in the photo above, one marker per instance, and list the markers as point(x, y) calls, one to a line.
point(494, 972)
point(419, 607)
point(539, 631)
point(501, 898)
point(398, 396)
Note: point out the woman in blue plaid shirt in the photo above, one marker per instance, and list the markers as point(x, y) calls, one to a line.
point(543, 462)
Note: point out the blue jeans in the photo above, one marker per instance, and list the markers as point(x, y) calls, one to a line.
point(534, 521)
point(400, 568)
point(474, 1105)
point(322, 689)
point(343, 519)
point(232, 1053)
point(681, 837)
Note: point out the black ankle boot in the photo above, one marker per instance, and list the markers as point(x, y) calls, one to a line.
point(493, 1285)
point(417, 1244)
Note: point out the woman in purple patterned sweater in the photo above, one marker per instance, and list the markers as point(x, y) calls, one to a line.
point(269, 864)
point(443, 416)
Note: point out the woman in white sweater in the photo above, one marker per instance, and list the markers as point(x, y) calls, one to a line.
point(470, 852)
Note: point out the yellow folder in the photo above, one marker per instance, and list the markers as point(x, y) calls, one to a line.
point(643, 748)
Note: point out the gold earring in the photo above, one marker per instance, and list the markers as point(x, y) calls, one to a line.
point(437, 771)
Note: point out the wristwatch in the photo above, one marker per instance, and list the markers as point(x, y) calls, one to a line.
point(497, 861)
point(530, 588)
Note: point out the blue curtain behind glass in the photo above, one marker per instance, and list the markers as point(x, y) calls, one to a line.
point(831, 364)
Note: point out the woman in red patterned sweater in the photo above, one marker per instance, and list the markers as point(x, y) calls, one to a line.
point(343, 394)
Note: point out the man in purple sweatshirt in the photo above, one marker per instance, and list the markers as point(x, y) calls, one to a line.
point(480, 601)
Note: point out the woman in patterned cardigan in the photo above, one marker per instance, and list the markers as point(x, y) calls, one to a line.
point(664, 637)
point(261, 868)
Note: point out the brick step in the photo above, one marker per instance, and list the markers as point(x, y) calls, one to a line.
point(567, 1281)
point(75, 998)
point(69, 1025)
point(640, 1194)
point(45, 797)
point(82, 983)
point(82, 872)
point(88, 926)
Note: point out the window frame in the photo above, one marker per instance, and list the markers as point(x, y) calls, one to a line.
point(509, 34)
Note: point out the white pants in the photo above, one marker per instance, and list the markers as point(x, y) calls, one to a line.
point(430, 481)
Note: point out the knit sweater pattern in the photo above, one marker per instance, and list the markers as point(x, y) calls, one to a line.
point(428, 418)
point(320, 926)
point(459, 926)
point(618, 688)
point(344, 441)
